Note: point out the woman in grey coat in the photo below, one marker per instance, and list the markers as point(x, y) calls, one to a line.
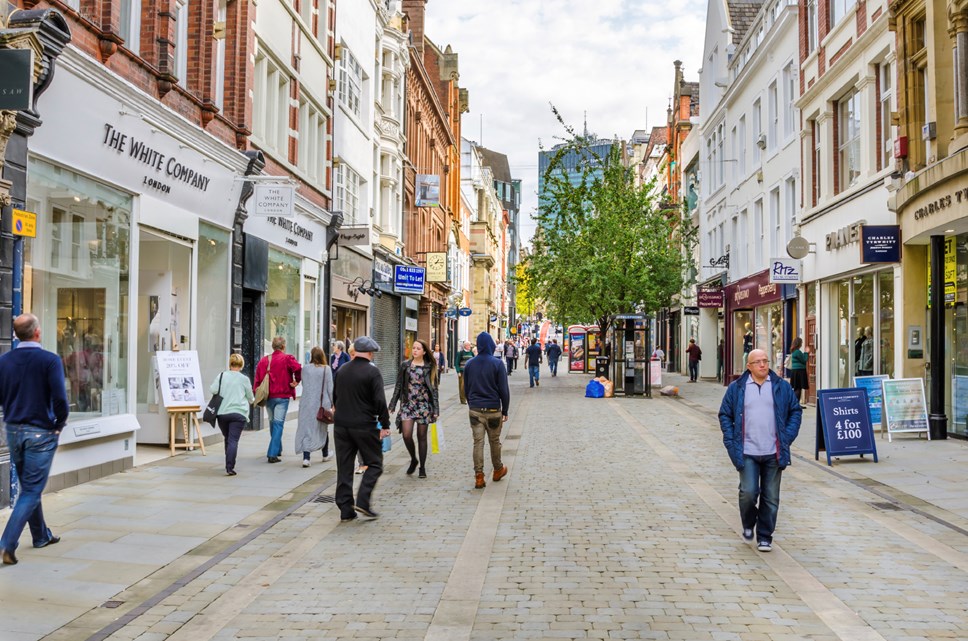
point(317, 384)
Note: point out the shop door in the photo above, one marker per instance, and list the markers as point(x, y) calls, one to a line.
point(164, 322)
point(810, 343)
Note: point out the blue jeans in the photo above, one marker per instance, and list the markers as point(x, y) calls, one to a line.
point(553, 366)
point(534, 371)
point(32, 452)
point(277, 408)
point(759, 495)
point(693, 370)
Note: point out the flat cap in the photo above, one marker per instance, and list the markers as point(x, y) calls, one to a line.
point(366, 344)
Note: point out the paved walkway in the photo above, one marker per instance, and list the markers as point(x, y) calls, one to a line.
point(617, 521)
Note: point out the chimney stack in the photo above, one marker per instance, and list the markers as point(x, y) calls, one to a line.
point(415, 10)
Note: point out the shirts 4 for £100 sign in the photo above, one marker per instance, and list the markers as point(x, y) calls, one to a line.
point(844, 423)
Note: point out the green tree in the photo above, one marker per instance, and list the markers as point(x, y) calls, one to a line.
point(603, 245)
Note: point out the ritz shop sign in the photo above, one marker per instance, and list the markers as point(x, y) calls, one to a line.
point(169, 168)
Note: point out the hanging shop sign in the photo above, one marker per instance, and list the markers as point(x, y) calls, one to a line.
point(708, 296)
point(408, 279)
point(904, 407)
point(880, 244)
point(437, 267)
point(464, 311)
point(690, 310)
point(16, 79)
point(24, 223)
point(180, 379)
point(354, 236)
point(786, 270)
point(428, 190)
point(300, 235)
point(875, 396)
point(844, 424)
point(273, 200)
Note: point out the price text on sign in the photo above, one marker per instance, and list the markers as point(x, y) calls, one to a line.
point(844, 423)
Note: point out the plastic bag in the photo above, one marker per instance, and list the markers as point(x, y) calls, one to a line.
point(436, 438)
point(594, 389)
point(387, 443)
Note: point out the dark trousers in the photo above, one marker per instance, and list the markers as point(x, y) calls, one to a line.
point(510, 362)
point(759, 495)
point(693, 370)
point(231, 426)
point(349, 442)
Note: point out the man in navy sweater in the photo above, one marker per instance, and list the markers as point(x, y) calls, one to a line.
point(486, 388)
point(35, 410)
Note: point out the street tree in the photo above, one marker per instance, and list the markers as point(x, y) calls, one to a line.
point(603, 245)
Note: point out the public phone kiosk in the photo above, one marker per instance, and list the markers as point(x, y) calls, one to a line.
point(593, 347)
point(577, 335)
point(631, 349)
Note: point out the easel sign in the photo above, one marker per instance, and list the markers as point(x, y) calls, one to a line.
point(875, 397)
point(905, 409)
point(180, 380)
point(844, 423)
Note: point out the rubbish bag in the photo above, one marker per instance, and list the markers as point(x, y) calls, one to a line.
point(609, 387)
point(594, 389)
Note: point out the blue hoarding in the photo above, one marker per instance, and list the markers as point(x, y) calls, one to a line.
point(408, 280)
point(844, 424)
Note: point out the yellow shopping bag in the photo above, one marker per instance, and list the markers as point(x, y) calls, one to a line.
point(436, 438)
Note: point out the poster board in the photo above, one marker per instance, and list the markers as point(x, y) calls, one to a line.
point(576, 351)
point(905, 409)
point(875, 397)
point(655, 369)
point(180, 379)
point(844, 423)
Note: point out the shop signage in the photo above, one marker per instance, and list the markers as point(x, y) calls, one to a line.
point(428, 190)
point(382, 272)
point(300, 236)
point(167, 169)
point(493, 318)
point(786, 270)
point(408, 280)
point(875, 395)
point(904, 406)
point(355, 236)
point(464, 311)
point(437, 267)
point(273, 200)
point(690, 311)
point(24, 223)
point(180, 379)
point(709, 296)
point(950, 272)
point(844, 236)
point(880, 244)
point(16, 78)
point(844, 424)
point(451, 313)
point(753, 291)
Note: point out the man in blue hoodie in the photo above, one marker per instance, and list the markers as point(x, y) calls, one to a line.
point(488, 397)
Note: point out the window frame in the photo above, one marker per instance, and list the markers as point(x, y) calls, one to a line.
point(848, 141)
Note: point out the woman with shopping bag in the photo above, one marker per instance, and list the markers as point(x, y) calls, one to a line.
point(416, 390)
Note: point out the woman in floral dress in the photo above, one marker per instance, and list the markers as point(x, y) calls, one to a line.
point(416, 390)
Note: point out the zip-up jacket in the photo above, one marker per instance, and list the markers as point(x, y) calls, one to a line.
point(401, 390)
point(786, 409)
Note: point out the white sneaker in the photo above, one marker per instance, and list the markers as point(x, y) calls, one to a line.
point(327, 458)
point(305, 462)
point(765, 546)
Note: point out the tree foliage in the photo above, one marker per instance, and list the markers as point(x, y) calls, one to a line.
point(603, 245)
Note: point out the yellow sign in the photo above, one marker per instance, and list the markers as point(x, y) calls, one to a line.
point(950, 272)
point(436, 267)
point(24, 223)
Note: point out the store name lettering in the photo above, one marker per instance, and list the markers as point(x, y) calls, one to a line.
point(845, 235)
point(293, 228)
point(761, 290)
point(138, 151)
point(940, 204)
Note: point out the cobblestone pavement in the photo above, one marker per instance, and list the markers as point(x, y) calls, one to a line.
point(618, 520)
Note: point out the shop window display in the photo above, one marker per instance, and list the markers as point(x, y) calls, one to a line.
point(214, 279)
point(283, 301)
point(742, 340)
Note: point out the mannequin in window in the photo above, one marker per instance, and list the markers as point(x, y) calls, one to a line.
point(748, 339)
point(857, 345)
point(865, 363)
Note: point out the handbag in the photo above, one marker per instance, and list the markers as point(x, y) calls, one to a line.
point(323, 415)
point(262, 391)
point(788, 361)
point(210, 415)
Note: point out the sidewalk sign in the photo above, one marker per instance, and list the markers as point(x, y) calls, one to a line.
point(904, 407)
point(655, 367)
point(875, 397)
point(180, 379)
point(844, 424)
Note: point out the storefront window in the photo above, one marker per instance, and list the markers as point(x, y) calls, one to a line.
point(350, 323)
point(845, 345)
point(76, 282)
point(742, 339)
point(863, 325)
point(214, 279)
point(769, 333)
point(885, 280)
point(283, 301)
point(310, 308)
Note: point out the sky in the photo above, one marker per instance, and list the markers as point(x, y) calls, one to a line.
point(610, 58)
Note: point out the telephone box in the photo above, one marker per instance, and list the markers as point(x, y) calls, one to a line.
point(631, 349)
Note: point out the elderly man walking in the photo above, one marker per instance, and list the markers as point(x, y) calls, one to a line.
point(760, 419)
point(35, 409)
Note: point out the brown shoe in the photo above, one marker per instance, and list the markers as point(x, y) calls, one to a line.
point(479, 481)
point(501, 473)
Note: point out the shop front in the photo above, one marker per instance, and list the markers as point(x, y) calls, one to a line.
point(132, 222)
point(711, 327)
point(754, 320)
point(351, 273)
point(387, 321)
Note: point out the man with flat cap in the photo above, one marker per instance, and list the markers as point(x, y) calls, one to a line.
point(361, 422)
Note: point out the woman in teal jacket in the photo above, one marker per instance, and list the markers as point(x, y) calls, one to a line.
point(798, 369)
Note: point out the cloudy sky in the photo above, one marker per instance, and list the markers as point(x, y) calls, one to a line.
point(611, 58)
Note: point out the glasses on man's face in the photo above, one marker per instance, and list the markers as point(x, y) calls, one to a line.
point(762, 361)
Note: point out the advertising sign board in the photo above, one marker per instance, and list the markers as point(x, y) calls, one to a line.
point(880, 244)
point(180, 379)
point(875, 396)
point(904, 407)
point(408, 279)
point(843, 423)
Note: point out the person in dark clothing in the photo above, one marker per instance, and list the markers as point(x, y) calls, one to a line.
point(416, 390)
point(695, 355)
point(509, 352)
point(463, 356)
point(488, 398)
point(553, 352)
point(533, 354)
point(35, 410)
point(362, 420)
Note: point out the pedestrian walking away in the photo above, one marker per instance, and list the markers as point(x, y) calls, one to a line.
point(510, 352)
point(233, 414)
point(361, 422)
point(760, 419)
point(317, 392)
point(695, 355)
point(284, 373)
point(35, 410)
point(416, 390)
point(798, 369)
point(533, 355)
point(488, 398)
point(459, 361)
point(553, 352)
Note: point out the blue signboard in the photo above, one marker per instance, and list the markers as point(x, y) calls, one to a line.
point(408, 280)
point(844, 424)
point(464, 311)
point(875, 395)
point(880, 244)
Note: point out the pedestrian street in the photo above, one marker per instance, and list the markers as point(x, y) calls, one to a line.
point(618, 520)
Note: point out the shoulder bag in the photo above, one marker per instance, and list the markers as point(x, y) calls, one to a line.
point(323, 414)
point(210, 415)
point(262, 392)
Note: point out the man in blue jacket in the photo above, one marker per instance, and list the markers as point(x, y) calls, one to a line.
point(760, 419)
point(488, 397)
point(35, 411)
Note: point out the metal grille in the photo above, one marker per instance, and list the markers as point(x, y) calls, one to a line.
point(386, 331)
point(887, 506)
point(324, 498)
